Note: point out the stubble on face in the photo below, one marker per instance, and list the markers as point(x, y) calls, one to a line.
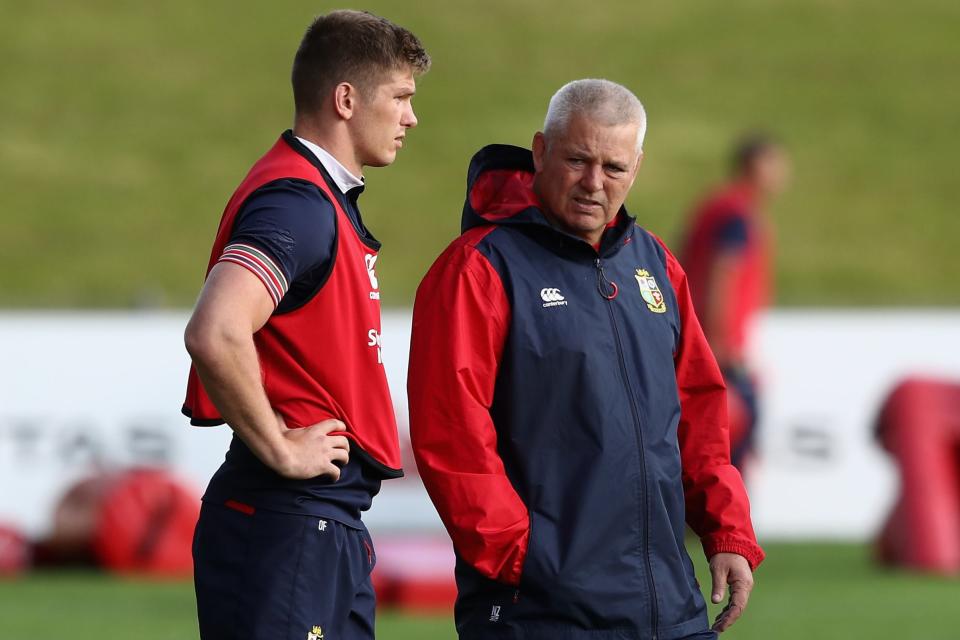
point(385, 114)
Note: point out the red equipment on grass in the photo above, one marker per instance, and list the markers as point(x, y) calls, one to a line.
point(136, 521)
point(920, 426)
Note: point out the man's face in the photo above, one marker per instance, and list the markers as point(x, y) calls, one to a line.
point(382, 117)
point(583, 174)
point(771, 171)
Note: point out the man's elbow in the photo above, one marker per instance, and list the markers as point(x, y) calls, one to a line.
point(207, 341)
point(196, 339)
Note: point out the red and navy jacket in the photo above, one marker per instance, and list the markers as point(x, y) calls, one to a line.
point(321, 359)
point(729, 222)
point(568, 420)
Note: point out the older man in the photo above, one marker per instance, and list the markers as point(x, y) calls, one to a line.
point(567, 414)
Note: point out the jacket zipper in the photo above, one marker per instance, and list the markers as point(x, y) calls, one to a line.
point(608, 290)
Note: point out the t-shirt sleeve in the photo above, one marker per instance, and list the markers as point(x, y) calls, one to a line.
point(285, 230)
point(733, 234)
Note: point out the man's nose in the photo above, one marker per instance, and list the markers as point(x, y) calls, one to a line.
point(409, 119)
point(592, 178)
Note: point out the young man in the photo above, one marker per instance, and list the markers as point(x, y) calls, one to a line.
point(727, 258)
point(284, 342)
point(566, 412)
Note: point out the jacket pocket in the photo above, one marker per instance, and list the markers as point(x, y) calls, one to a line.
point(535, 574)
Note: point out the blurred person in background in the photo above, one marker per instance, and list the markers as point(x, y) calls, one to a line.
point(727, 256)
point(285, 342)
point(567, 416)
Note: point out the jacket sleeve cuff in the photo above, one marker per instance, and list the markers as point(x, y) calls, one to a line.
point(746, 548)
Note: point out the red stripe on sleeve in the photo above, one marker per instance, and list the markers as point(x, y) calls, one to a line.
point(260, 265)
point(241, 507)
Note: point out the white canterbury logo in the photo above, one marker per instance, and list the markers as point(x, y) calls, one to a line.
point(370, 260)
point(552, 297)
point(495, 613)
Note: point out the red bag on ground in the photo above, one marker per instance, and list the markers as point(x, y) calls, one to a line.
point(145, 524)
point(135, 521)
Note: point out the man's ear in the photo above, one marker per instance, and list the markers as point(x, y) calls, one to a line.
point(345, 98)
point(539, 148)
point(636, 167)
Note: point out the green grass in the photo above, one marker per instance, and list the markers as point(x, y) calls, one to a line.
point(125, 126)
point(835, 592)
point(824, 591)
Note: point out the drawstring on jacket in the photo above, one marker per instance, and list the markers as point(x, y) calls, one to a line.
point(607, 288)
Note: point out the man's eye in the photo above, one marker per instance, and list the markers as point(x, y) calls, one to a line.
point(575, 161)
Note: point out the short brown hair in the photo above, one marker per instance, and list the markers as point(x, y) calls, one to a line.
point(351, 46)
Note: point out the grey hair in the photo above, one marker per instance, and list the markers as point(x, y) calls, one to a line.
point(610, 103)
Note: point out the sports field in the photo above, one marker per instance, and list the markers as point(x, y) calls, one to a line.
point(824, 591)
point(125, 126)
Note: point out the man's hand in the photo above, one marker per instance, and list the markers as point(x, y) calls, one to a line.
point(312, 452)
point(734, 570)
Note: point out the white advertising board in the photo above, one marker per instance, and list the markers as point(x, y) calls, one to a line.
point(82, 391)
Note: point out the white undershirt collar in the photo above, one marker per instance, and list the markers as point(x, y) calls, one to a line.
point(340, 174)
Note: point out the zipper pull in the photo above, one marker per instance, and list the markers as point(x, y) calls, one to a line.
point(607, 288)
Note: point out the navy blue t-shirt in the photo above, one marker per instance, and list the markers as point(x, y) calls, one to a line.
point(294, 224)
point(733, 234)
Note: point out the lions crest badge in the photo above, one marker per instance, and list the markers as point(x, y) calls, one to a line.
point(315, 634)
point(650, 292)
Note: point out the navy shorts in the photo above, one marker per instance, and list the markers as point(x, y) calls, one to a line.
point(265, 575)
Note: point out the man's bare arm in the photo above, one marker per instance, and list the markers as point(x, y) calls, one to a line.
point(234, 305)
